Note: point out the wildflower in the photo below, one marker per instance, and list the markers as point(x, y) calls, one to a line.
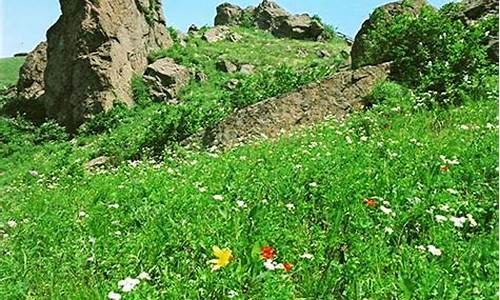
point(388, 230)
point(464, 127)
point(241, 204)
point(364, 138)
point(473, 222)
point(231, 294)
point(440, 218)
point(128, 284)
point(82, 214)
point(387, 211)
point(452, 191)
point(307, 256)
point(288, 267)
point(218, 197)
point(313, 184)
point(12, 224)
point(114, 296)
point(290, 206)
point(421, 248)
point(115, 206)
point(370, 202)
point(348, 139)
point(434, 251)
point(267, 253)
point(444, 168)
point(269, 265)
point(202, 190)
point(223, 258)
point(444, 207)
point(144, 276)
point(458, 222)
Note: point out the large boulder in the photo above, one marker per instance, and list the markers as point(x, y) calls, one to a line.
point(271, 17)
point(166, 78)
point(93, 50)
point(479, 9)
point(31, 84)
point(228, 14)
point(385, 13)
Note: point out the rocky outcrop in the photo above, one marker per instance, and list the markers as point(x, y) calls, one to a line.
point(216, 34)
point(273, 18)
point(332, 97)
point(479, 9)
point(31, 84)
point(165, 78)
point(93, 50)
point(385, 13)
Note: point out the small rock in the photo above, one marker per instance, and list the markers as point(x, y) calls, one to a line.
point(96, 162)
point(226, 66)
point(166, 78)
point(216, 34)
point(302, 52)
point(232, 84)
point(200, 76)
point(323, 54)
point(247, 69)
point(234, 37)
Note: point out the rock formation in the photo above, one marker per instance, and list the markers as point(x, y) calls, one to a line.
point(332, 97)
point(92, 52)
point(273, 18)
point(166, 78)
point(386, 12)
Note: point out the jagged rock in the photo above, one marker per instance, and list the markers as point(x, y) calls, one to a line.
point(225, 65)
point(234, 37)
point(31, 84)
point(93, 50)
point(228, 14)
point(232, 84)
point(247, 69)
point(323, 54)
point(193, 29)
point(216, 34)
point(200, 76)
point(387, 12)
point(273, 18)
point(332, 97)
point(478, 9)
point(166, 78)
point(96, 162)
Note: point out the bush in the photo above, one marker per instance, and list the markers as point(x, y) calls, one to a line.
point(433, 52)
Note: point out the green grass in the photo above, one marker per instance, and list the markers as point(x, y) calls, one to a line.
point(10, 70)
point(167, 220)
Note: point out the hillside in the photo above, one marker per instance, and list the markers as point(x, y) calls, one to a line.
point(383, 183)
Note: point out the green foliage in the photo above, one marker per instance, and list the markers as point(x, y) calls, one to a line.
point(432, 52)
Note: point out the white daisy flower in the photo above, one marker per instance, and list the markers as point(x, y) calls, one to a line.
point(313, 184)
point(290, 206)
point(458, 222)
point(114, 296)
point(452, 191)
point(269, 265)
point(218, 197)
point(82, 214)
point(388, 230)
point(440, 218)
point(307, 256)
point(473, 222)
point(241, 204)
point(128, 284)
point(434, 250)
point(12, 223)
point(231, 294)
point(114, 205)
point(144, 276)
point(387, 211)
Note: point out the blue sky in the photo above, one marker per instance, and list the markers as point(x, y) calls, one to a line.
point(23, 23)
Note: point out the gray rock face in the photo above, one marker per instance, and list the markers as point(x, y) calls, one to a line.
point(478, 9)
point(216, 34)
point(166, 78)
point(331, 97)
point(225, 65)
point(93, 50)
point(273, 18)
point(387, 12)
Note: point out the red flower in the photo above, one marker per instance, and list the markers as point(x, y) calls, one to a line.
point(370, 202)
point(288, 267)
point(267, 253)
point(444, 168)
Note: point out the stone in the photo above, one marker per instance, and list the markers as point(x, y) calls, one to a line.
point(200, 77)
point(96, 163)
point(493, 50)
point(165, 78)
point(31, 84)
point(479, 9)
point(247, 69)
point(323, 54)
point(92, 52)
point(234, 37)
point(388, 12)
point(216, 34)
point(233, 84)
point(334, 97)
point(227, 66)
point(193, 29)
point(273, 18)
point(228, 14)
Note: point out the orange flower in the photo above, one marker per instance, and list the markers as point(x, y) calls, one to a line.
point(267, 253)
point(444, 168)
point(288, 267)
point(370, 202)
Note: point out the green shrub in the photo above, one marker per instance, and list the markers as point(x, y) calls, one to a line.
point(433, 52)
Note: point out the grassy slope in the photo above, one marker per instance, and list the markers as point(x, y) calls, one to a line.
point(10, 70)
point(166, 224)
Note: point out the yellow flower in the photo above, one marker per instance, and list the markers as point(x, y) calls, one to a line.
point(223, 258)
